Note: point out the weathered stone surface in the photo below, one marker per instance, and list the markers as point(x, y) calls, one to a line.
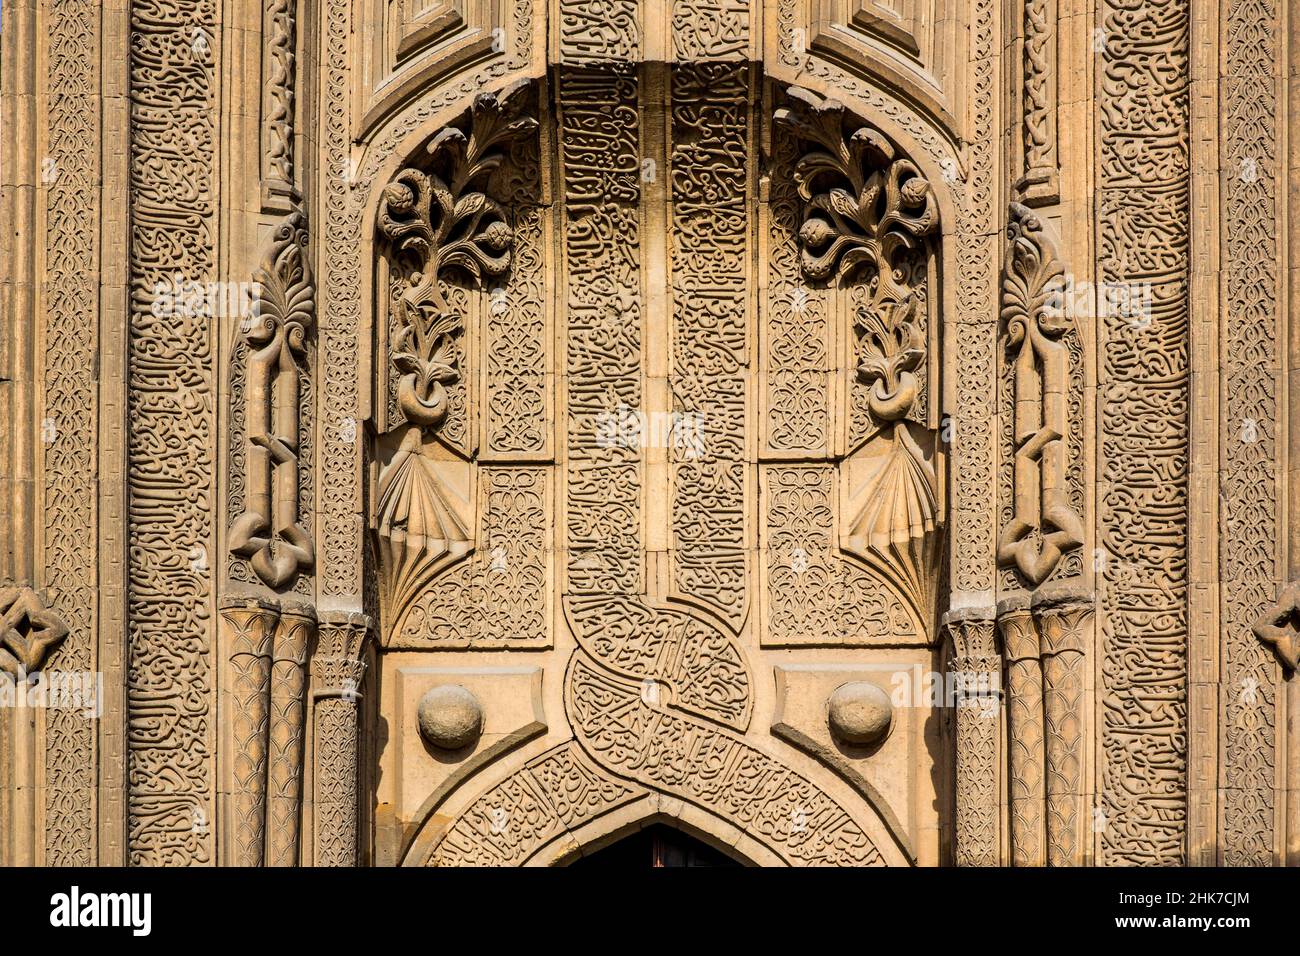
point(859, 712)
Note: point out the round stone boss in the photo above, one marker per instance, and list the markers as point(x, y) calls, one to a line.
point(450, 716)
point(859, 712)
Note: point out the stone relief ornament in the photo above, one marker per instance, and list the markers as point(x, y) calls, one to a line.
point(868, 217)
point(1044, 523)
point(269, 532)
point(30, 631)
point(1277, 626)
point(437, 221)
point(1117, 484)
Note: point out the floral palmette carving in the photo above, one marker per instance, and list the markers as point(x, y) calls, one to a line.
point(438, 222)
point(865, 205)
point(868, 217)
point(269, 532)
point(1044, 524)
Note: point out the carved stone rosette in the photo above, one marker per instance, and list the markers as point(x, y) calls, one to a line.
point(29, 631)
point(337, 670)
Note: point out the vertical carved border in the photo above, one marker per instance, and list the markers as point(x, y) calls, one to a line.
point(112, 653)
point(280, 23)
point(337, 671)
point(340, 565)
point(1249, 521)
point(793, 333)
point(974, 512)
point(70, 446)
point(1142, 239)
point(170, 435)
point(976, 670)
point(1039, 177)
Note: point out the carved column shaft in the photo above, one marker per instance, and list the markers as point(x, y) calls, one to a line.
point(1024, 686)
point(975, 670)
point(286, 731)
point(337, 671)
point(263, 706)
point(249, 633)
point(1062, 629)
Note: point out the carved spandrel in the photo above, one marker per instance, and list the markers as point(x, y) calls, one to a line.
point(868, 220)
point(438, 225)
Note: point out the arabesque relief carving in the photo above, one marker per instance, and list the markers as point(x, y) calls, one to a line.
point(732, 367)
point(1044, 522)
point(867, 217)
point(273, 353)
point(436, 221)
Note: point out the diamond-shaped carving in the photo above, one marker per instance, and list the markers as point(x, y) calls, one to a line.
point(29, 631)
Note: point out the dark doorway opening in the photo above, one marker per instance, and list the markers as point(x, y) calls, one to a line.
point(656, 846)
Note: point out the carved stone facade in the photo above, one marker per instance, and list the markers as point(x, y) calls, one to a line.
point(866, 426)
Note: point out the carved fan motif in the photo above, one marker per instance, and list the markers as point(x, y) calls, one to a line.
point(420, 528)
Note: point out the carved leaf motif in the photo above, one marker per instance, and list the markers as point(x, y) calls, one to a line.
point(891, 348)
point(436, 222)
point(865, 204)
